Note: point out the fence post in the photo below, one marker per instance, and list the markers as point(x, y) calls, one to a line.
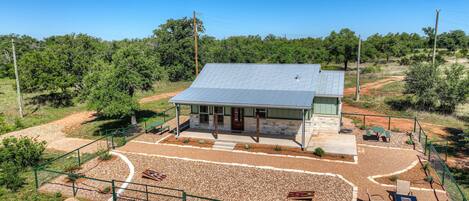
point(112, 142)
point(73, 189)
point(113, 185)
point(184, 196)
point(36, 180)
point(79, 160)
point(420, 133)
point(364, 122)
point(429, 153)
point(443, 179)
point(426, 145)
point(415, 124)
point(164, 116)
point(145, 126)
point(389, 123)
point(146, 192)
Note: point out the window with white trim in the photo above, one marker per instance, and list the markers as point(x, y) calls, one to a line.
point(203, 114)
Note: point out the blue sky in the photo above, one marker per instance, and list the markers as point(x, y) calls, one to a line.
point(118, 19)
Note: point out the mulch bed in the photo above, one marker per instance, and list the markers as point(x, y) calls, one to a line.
point(416, 176)
point(188, 141)
point(226, 182)
point(271, 149)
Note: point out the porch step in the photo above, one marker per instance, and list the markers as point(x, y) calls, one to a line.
point(224, 145)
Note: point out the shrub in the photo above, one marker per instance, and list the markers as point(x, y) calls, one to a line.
point(363, 127)
point(58, 194)
point(4, 127)
point(104, 155)
point(186, 140)
point(72, 177)
point(409, 141)
point(247, 146)
point(105, 190)
point(10, 176)
point(23, 151)
point(426, 166)
point(372, 69)
point(277, 148)
point(393, 177)
point(18, 123)
point(319, 152)
point(429, 179)
point(71, 167)
point(404, 61)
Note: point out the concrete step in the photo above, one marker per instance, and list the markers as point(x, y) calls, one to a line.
point(224, 145)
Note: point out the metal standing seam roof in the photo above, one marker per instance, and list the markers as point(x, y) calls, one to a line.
point(254, 85)
point(331, 83)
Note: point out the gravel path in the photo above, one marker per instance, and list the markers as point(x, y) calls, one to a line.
point(53, 132)
point(226, 182)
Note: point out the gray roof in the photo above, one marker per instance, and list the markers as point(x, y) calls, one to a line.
point(331, 83)
point(257, 85)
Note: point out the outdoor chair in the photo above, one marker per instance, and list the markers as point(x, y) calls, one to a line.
point(374, 197)
point(403, 187)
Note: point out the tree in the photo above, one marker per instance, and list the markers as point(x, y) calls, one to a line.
point(175, 41)
point(23, 45)
point(453, 40)
point(421, 81)
point(453, 89)
point(60, 64)
point(112, 87)
point(342, 46)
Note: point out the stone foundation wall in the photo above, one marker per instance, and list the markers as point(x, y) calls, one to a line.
point(277, 126)
point(195, 122)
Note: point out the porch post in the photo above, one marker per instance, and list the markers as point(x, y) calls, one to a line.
point(257, 127)
point(177, 120)
point(215, 124)
point(303, 131)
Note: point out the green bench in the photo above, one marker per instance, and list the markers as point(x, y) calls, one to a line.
point(156, 125)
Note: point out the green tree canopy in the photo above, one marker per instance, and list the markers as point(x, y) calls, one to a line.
point(342, 46)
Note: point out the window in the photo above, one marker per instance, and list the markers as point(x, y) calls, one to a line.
point(261, 112)
point(219, 112)
point(203, 111)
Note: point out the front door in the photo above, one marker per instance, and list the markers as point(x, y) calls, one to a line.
point(237, 119)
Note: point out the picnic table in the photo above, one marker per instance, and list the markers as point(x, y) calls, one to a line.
point(301, 195)
point(380, 132)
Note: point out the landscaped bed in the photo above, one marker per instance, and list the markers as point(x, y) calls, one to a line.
point(89, 189)
point(229, 182)
point(292, 151)
point(256, 148)
point(418, 177)
point(188, 141)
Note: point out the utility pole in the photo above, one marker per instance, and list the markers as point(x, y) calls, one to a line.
point(196, 46)
point(18, 90)
point(357, 93)
point(436, 35)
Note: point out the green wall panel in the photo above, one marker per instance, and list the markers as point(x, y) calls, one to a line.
point(324, 105)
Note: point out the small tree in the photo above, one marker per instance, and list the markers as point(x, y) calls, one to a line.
point(10, 176)
point(453, 89)
point(421, 81)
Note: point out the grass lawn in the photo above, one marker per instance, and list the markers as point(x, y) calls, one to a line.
point(34, 114)
point(40, 114)
point(150, 112)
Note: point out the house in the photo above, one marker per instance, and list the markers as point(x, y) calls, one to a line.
point(284, 100)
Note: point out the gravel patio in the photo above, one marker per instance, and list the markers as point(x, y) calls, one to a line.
point(227, 182)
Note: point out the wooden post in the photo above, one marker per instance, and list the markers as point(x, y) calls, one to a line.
point(215, 124)
point(389, 123)
point(415, 124)
point(257, 127)
point(177, 120)
point(364, 122)
point(303, 131)
point(196, 46)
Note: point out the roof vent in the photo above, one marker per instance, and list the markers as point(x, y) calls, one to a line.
point(297, 77)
